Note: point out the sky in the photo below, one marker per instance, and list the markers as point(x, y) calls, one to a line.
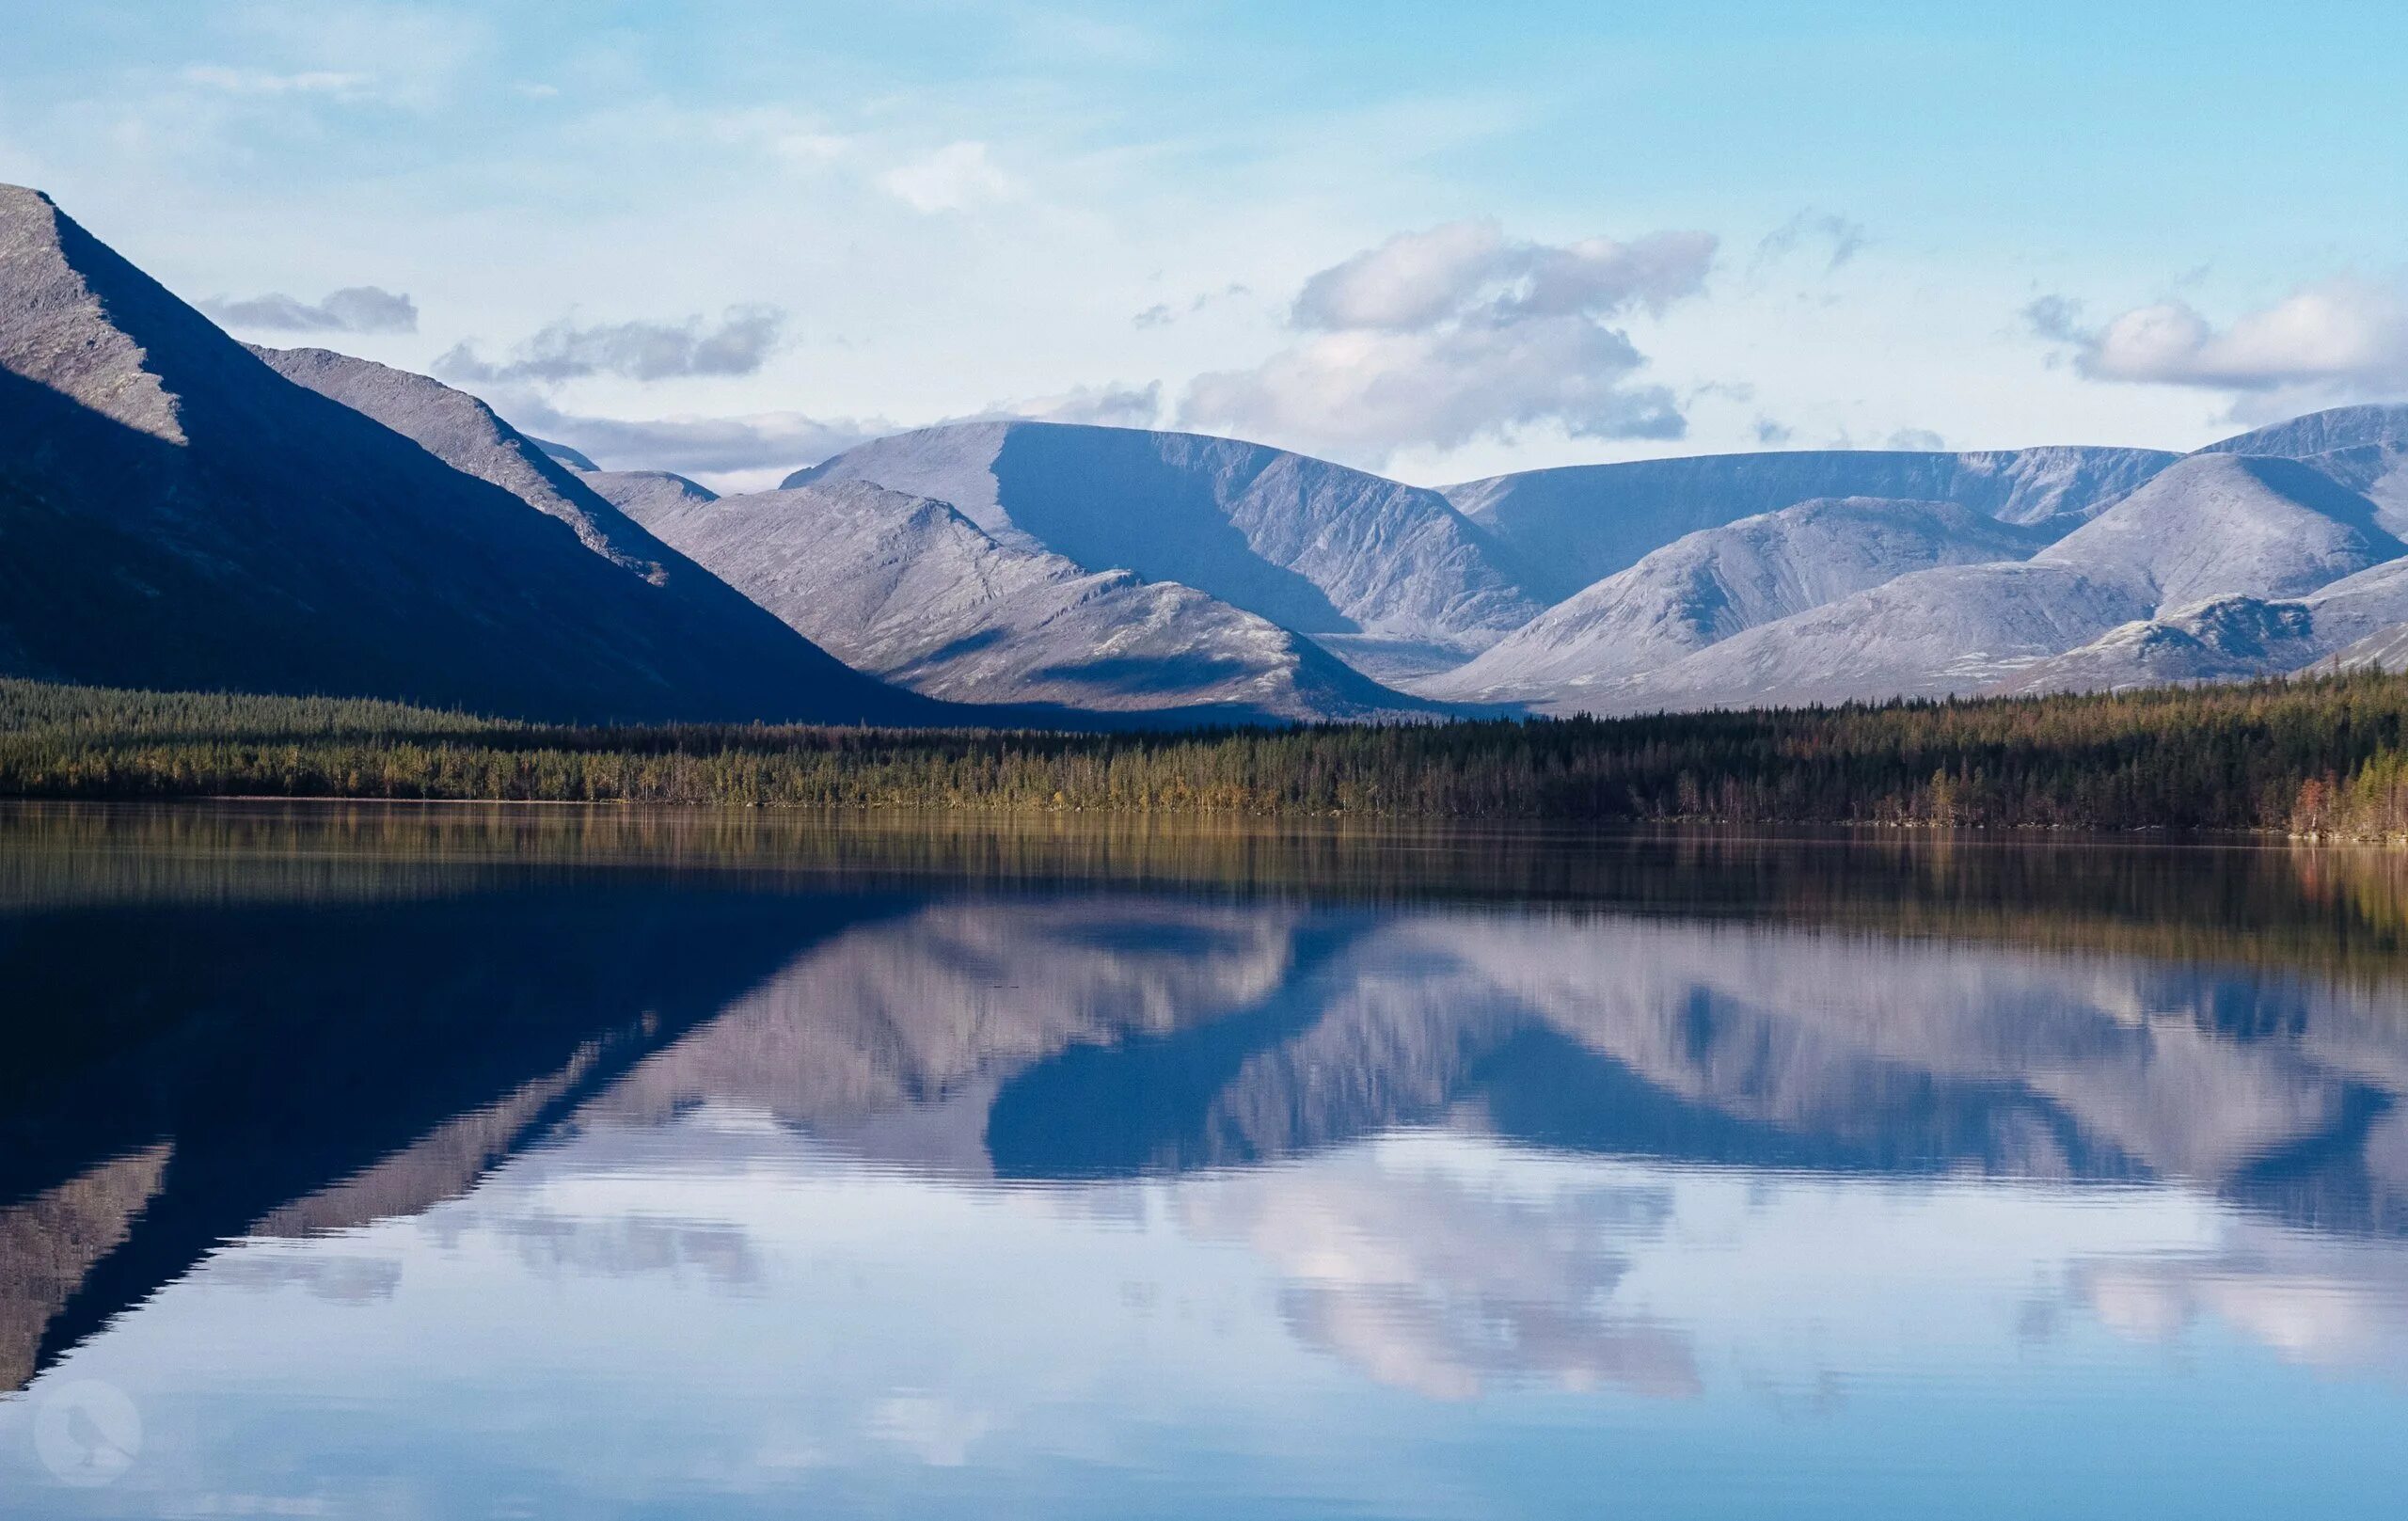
point(1433, 239)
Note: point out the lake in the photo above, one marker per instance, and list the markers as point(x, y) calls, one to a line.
point(361, 1161)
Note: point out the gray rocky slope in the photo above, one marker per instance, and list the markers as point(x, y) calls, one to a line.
point(2222, 638)
point(2335, 429)
point(910, 590)
point(1565, 528)
point(1376, 569)
point(1722, 581)
point(638, 493)
point(175, 514)
point(2235, 638)
point(2383, 650)
point(2211, 525)
point(465, 434)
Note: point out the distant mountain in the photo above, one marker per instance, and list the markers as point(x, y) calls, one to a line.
point(2232, 639)
point(1569, 528)
point(2218, 531)
point(574, 459)
point(2321, 433)
point(1958, 628)
point(2219, 524)
point(2210, 526)
point(637, 493)
point(176, 514)
point(1374, 568)
point(1722, 581)
point(912, 589)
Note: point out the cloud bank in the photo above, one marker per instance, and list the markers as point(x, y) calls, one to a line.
point(2335, 339)
point(357, 308)
point(707, 446)
point(1113, 405)
point(739, 344)
point(953, 177)
point(1440, 337)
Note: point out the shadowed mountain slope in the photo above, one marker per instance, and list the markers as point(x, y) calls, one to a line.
point(1317, 547)
point(174, 512)
point(910, 590)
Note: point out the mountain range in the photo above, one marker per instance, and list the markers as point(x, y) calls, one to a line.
point(180, 511)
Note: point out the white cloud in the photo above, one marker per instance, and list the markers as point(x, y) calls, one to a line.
point(953, 177)
point(1838, 238)
point(718, 448)
point(796, 140)
point(2342, 337)
point(1434, 338)
point(357, 308)
point(739, 344)
point(1113, 405)
point(1407, 283)
point(233, 81)
point(416, 56)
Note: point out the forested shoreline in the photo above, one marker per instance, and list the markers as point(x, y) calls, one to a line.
point(2324, 756)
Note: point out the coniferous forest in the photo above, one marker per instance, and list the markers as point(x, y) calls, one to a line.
point(2324, 756)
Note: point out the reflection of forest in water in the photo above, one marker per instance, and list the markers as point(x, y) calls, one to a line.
point(233, 1021)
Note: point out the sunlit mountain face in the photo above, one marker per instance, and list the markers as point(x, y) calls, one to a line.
point(573, 1163)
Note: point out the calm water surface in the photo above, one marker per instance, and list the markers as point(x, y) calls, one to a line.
point(556, 1163)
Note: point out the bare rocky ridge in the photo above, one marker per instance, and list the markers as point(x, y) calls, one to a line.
point(1569, 528)
point(2209, 526)
point(2218, 524)
point(2239, 637)
point(1959, 629)
point(2220, 640)
point(2383, 650)
point(465, 434)
point(912, 589)
point(2321, 433)
point(574, 459)
point(175, 514)
point(1722, 581)
point(638, 493)
point(1374, 567)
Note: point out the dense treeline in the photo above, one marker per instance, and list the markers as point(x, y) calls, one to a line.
point(2317, 755)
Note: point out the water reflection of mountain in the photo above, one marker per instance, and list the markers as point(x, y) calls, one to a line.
point(200, 1063)
point(181, 1075)
point(1250, 1034)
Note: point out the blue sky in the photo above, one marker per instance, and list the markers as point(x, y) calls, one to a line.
point(729, 237)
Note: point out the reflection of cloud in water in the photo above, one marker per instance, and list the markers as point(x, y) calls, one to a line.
point(2334, 1305)
point(1443, 1281)
point(338, 1279)
point(937, 1431)
point(558, 1246)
